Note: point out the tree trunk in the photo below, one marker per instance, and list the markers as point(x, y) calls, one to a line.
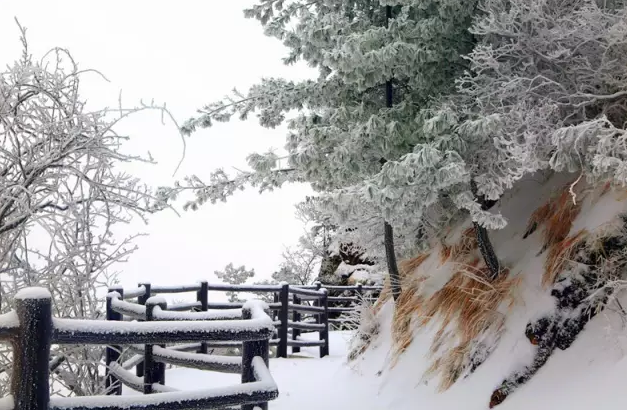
point(395, 278)
point(483, 239)
point(390, 253)
point(485, 246)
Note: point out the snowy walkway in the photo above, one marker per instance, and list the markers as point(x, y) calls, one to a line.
point(305, 381)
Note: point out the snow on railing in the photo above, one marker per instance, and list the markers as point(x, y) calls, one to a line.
point(292, 306)
point(32, 329)
point(216, 363)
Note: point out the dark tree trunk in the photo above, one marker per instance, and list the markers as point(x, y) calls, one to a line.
point(487, 251)
point(390, 253)
point(395, 278)
point(483, 239)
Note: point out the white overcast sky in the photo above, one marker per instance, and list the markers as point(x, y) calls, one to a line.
point(184, 53)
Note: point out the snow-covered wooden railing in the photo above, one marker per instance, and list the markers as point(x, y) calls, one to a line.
point(296, 309)
point(290, 300)
point(287, 300)
point(343, 300)
point(32, 330)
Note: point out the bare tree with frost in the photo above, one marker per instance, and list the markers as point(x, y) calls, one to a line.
point(61, 198)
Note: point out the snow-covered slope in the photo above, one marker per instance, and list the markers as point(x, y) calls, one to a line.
point(458, 341)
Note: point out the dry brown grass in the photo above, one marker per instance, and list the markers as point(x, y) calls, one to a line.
point(468, 304)
point(402, 331)
point(403, 312)
point(468, 312)
point(538, 217)
point(445, 253)
point(466, 308)
point(559, 254)
point(466, 244)
point(560, 222)
point(407, 266)
point(557, 216)
point(410, 303)
point(384, 296)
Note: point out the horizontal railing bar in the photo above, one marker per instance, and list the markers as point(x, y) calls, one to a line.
point(115, 336)
point(262, 390)
point(224, 344)
point(223, 364)
point(134, 293)
point(306, 326)
point(227, 314)
point(128, 379)
point(307, 292)
point(306, 343)
point(305, 308)
point(126, 308)
point(343, 299)
point(136, 383)
point(180, 307)
point(244, 288)
point(185, 347)
point(308, 298)
point(238, 305)
point(225, 305)
point(174, 289)
point(341, 309)
point(307, 331)
point(76, 331)
point(133, 361)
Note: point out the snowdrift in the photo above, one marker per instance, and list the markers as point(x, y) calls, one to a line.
point(548, 333)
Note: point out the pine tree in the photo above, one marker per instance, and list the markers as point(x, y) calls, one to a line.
point(347, 141)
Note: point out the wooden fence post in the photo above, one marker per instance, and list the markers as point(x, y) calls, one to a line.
point(141, 300)
point(154, 372)
point(112, 353)
point(202, 296)
point(296, 318)
point(324, 319)
point(31, 350)
point(251, 349)
point(284, 298)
